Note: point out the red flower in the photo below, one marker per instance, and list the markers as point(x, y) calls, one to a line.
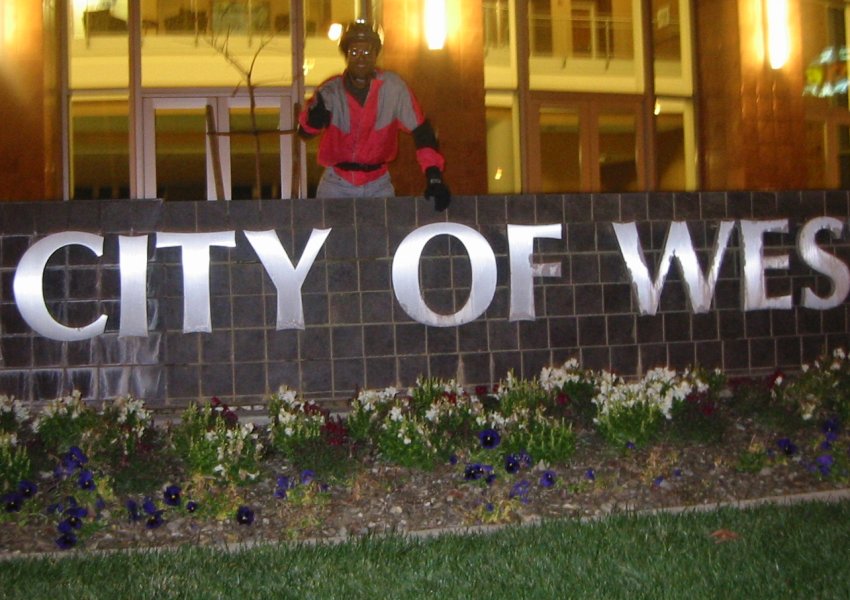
point(334, 432)
point(776, 378)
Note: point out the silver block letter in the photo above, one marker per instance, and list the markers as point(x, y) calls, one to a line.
point(196, 273)
point(28, 286)
point(133, 263)
point(823, 262)
point(679, 246)
point(286, 278)
point(406, 274)
point(755, 264)
point(523, 269)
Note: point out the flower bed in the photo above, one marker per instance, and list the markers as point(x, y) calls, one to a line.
point(570, 442)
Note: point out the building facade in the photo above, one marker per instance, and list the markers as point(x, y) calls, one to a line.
point(117, 98)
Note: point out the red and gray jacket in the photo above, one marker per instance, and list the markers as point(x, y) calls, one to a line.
point(361, 140)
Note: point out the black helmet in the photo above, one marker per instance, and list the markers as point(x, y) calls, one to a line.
point(360, 31)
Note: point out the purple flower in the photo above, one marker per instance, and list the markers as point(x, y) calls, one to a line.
point(72, 460)
point(473, 472)
point(69, 525)
point(149, 506)
point(86, 480)
point(69, 462)
point(133, 513)
point(525, 460)
point(244, 515)
point(590, 474)
point(453, 459)
point(476, 471)
point(511, 463)
point(630, 445)
point(171, 495)
point(155, 520)
point(13, 501)
point(66, 541)
point(75, 515)
point(27, 489)
point(191, 506)
point(787, 446)
point(520, 490)
point(489, 507)
point(658, 481)
point(831, 426)
point(548, 479)
point(307, 476)
point(489, 438)
point(824, 463)
point(283, 485)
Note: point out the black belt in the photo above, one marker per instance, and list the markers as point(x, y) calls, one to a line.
point(352, 166)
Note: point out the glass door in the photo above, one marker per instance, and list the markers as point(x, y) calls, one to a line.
point(585, 143)
point(216, 147)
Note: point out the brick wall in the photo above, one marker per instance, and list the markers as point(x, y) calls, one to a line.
point(356, 333)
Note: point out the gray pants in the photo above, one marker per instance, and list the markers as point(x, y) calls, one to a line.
point(332, 185)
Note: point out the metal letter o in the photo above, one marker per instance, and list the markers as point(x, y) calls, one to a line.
point(406, 274)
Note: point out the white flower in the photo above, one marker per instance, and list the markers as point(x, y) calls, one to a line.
point(395, 414)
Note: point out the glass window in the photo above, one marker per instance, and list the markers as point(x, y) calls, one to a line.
point(323, 23)
point(253, 157)
point(100, 162)
point(499, 49)
point(181, 159)
point(194, 43)
point(584, 45)
point(671, 45)
point(560, 155)
point(617, 156)
point(98, 41)
point(824, 43)
point(675, 145)
point(502, 150)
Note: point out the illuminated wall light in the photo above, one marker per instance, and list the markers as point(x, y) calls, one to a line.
point(8, 24)
point(335, 32)
point(498, 175)
point(777, 32)
point(435, 24)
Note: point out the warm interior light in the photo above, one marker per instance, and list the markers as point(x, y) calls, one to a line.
point(335, 32)
point(778, 34)
point(498, 175)
point(435, 24)
point(8, 23)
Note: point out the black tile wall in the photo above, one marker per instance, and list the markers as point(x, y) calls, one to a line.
point(357, 335)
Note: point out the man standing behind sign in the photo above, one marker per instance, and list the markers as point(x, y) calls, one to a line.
point(361, 112)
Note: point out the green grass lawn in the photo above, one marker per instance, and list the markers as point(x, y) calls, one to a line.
point(801, 551)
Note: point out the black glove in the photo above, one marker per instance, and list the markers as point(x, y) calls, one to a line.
point(436, 189)
point(318, 115)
